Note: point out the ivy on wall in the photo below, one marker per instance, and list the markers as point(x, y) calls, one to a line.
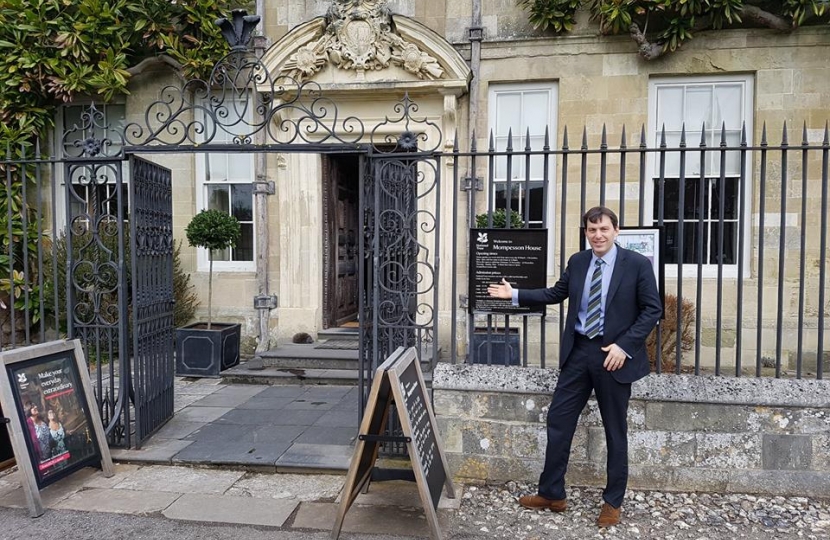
point(661, 26)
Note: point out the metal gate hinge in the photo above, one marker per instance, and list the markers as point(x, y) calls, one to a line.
point(265, 301)
point(265, 187)
point(469, 182)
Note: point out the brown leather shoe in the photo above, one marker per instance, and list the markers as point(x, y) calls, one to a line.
point(537, 502)
point(608, 516)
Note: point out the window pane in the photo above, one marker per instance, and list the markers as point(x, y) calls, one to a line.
point(501, 199)
point(669, 108)
point(730, 201)
point(699, 106)
point(244, 250)
point(730, 244)
point(239, 167)
point(508, 113)
point(242, 197)
point(535, 200)
point(728, 104)
point(535, 113)
point(219, 198)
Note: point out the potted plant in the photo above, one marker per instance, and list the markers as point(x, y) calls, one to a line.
point(203, 349)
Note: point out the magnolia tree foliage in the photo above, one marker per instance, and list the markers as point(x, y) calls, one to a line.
point(52, 51)
point(660, 26)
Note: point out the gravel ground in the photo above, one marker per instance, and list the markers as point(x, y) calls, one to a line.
point(493, 512)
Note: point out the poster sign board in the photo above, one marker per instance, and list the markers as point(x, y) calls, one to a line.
point(517, 255)
point(53, 424)
point(399, 380)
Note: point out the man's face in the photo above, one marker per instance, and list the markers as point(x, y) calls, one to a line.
point(601, 235)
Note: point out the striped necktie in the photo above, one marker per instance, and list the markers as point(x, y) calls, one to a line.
point(593, 320)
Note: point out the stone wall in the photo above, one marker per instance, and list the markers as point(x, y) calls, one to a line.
point(688, 433)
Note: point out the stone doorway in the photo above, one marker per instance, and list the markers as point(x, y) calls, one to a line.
point(341, 237)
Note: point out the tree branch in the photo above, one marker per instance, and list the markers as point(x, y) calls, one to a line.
point(647, 50)
point(765, 18)
point(152, 61)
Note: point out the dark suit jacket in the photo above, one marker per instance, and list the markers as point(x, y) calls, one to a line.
point(632, 307)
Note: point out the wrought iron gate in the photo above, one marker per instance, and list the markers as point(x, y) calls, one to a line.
point(151, 245)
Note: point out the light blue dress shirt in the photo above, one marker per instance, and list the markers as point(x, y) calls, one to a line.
point(608, 261)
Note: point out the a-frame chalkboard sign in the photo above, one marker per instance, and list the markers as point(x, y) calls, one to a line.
point(51, 415)
point(399, 379)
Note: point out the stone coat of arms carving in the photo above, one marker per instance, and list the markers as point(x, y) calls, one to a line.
point(359, 36)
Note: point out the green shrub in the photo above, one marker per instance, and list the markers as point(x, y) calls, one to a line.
point(500, 219)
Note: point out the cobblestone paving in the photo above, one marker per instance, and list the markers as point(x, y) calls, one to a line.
point(493, 512)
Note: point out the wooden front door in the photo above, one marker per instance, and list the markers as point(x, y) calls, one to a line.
point(340, 239)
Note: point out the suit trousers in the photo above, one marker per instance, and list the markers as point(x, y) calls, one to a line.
point(582, 373)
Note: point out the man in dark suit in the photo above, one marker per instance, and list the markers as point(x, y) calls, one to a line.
point(613, 306)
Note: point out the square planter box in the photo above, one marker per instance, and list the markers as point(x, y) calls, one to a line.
point(504, 350)
point(204, 353)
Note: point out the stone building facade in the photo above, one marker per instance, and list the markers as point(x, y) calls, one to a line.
point(472, 76)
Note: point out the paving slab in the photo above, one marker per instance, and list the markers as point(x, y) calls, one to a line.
point(327, 457)
point(266, 403)
point(311, 403)
point(180, 480)
point(381, 520)
point(50, 495)
point(202, 414)
point(202, 387)
point(180, 401)
point(218, 432)
point(230, 396)
point(341, 436)
point(327, 391)
point(302, 487)
point(403, 493)
point(122, 472)
point(232, 453)
point(118, 501)
point(160, 451)
point(281, 392)
point(338, 418)
point(177, 429)
point(228, 509)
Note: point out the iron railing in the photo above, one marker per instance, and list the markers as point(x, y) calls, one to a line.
point(749, 275)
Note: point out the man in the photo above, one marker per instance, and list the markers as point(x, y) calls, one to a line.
point(613, 306)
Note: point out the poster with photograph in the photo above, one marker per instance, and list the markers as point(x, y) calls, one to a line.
point(54, 415)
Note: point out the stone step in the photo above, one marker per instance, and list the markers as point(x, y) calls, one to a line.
point(309, 356)
point(339, 333)
point(240, 374)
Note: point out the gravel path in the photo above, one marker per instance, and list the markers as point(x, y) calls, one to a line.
point(493, 512)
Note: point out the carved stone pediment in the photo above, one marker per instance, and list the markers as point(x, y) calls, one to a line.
point(359, 36)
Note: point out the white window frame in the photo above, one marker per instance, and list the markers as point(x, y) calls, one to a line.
point(552, 88)
point(202, 183)
point(747, 82)
point(60, 130)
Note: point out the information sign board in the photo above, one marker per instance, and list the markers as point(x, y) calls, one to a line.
point(517, 255)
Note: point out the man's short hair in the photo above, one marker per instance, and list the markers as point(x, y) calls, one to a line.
point(594, 215)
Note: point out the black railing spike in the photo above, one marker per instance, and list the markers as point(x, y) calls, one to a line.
point(683, 135)
point(784, 141)
point(492, 142)
point(565, 139)
point(547, 138)
point(455, 146)
point(723, 135)
point(8, 152)
point(826, 134)
point(764, 135)
point(804, 135)
point(743, 134)
point(510, 140)
point(642, 135)
point(623, 142)
point(584, 138)
point(703, 135)
point(37, 148)
point(604, 140)
point(527, 141)
point(473, 145)
point(663, 136)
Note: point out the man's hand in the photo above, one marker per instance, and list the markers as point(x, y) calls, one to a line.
point(615, 359)
point(501, 290)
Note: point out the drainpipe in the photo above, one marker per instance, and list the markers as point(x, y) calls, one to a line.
point(475, 35)
point(264, 301)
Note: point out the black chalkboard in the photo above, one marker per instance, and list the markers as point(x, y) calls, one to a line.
point(399, 381)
